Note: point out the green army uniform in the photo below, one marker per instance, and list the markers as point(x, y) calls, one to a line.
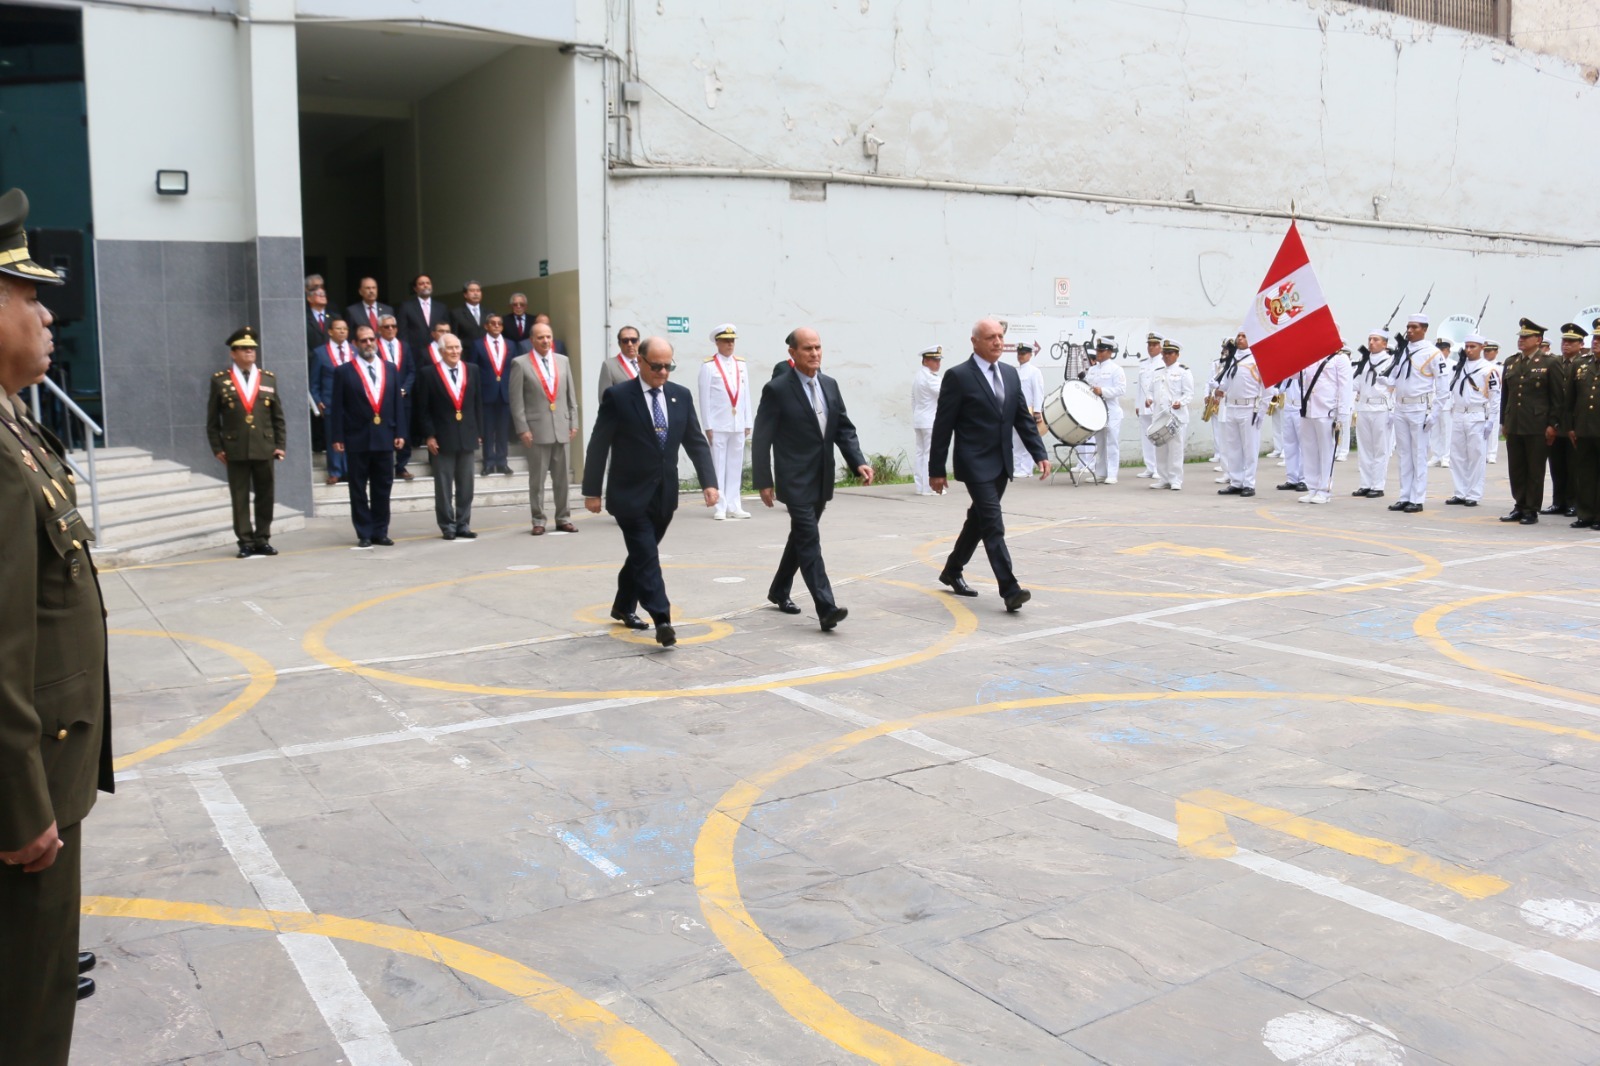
point(1533, 398)
point(55, 708)
point(247, 435)
point(1583, 421)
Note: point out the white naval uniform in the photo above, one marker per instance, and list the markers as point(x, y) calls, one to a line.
point(1491, 429)
point(1238, 420)
point(1293, 460)
point(1148, 367)
point(1375, 437)
point(1109, 378)
point(1166, 386)
point(1032, 384)
point(1217, 455)
point(1474, 397)
point(1439, 432)
point(924, 402)
point(1326, 400)
point(1414, 375)
point(727, 423)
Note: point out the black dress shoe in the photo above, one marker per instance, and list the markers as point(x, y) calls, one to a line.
point(958, 585)
point(1247, 492)
point(85, 987)
point(629, 619)
point(786, 605)
point(449, 534)
point(1015, 601)
point(1514, 516)
point(1290, 486)
point(385, 541)
point(466, 534)
point(1413, 508)
point(1229, 490)
point(244, 553)
point(1360, 492)
point(833, 616)
point(1374, 494)
point(363, 543)
point(1469, 503)
point(1553, 509)
point(1582, 523)
point(1454, 500)
point(666, 636)
point(1398, 505)
point(265, 549)
point(1571, 512)
point(1529, 520)
point(86, 961)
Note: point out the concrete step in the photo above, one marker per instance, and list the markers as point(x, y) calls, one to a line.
point(116, 550)
point(517, 460)
point(154, 476)
point(109, 461)
point(198, 493)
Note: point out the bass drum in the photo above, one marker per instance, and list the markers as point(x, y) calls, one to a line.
point(1074, 413)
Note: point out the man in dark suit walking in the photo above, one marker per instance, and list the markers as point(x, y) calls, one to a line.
point(448, 413)
point(364, 425)
point(640, 426)
point(980, 403)
point(420, 314)
point(800, 420)
point(492, 354)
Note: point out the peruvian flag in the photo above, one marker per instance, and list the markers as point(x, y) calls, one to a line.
point(1289, 325)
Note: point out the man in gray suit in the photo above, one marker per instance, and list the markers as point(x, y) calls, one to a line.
point(544, 415)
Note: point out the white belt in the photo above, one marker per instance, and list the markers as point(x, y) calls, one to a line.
point(1423, 402)
point(1242, 403)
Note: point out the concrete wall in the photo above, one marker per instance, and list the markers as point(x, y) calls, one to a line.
point(1569, 29)
point(1100, 99)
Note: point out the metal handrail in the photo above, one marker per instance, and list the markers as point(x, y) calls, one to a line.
point(92, 429)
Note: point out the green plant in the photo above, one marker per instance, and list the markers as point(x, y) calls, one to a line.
point(886, 470)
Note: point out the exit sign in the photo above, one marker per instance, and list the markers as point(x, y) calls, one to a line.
point(544, 268)
point(677, 323)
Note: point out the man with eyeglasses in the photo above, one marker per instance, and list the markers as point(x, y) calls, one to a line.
point(492, 354)
point(392, 350)
point(364, 426)
point(641, 424)
point(519, 324)
point(624, 366)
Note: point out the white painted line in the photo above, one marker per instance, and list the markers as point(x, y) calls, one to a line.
point(1534, 961)
point(257, 609)
point(577, 846)
point(350, 1015)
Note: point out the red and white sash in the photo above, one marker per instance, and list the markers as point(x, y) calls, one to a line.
point(456, 392)
point(627, 367)
point(334, 356)
point(247, 396)
point(732, 390)
point(496, 347)
point(374, 392)
point(551, 384)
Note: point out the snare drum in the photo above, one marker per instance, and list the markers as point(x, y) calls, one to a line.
point(1074, 413)
point(1163, 427)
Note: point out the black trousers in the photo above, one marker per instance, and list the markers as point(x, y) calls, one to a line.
point(1525, 460)
point(639, 582)
point(496, 434)
point(1560, 472)
point(39, 957)
point(452, 491)
point(802, 552)
point(371, 479)
point(1585, 475)
point(985, 522)
point(245, 477)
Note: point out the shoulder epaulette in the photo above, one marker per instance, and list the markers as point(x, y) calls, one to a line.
point(709, 358)
point(220, 374)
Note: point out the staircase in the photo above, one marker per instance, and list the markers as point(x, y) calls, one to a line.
point(151, 508)
point(488, 490)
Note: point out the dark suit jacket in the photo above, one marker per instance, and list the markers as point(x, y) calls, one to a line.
point(644, 474)
point(316, 334)
point(494, 392)
point(407, 364)
point(519, 338)
point(434, 413)
point(981, 424)
point(782, 366)
point(786, 432)
point(350, 413)
point(356, 314)
point(322, 369)
point(462, 324)
point(417, 331)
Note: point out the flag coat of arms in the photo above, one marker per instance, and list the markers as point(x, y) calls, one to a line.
point(1289, 326)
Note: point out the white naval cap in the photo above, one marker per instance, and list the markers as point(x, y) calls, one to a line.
point(1472, 338)
point(1379, 332)
point(935, 351)
point(724, 332)
point(1418, 319)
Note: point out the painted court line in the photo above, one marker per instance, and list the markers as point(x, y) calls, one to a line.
point(355, 1022)
point(583, 851)
point(1529, 959)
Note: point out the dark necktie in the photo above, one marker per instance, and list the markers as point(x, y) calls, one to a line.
point(659, 416)
point(999, 388)
point(372, 371)
point(453, 379)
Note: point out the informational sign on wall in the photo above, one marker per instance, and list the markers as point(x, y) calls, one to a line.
point(677, 323)
point(1063, 292)
point(544, 268)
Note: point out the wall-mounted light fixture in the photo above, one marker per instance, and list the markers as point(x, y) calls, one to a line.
point(172, 183)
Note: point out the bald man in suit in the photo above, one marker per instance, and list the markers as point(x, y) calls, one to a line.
point(544, 415)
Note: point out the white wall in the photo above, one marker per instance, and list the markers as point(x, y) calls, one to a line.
point(168, 91)
point(1100, 98)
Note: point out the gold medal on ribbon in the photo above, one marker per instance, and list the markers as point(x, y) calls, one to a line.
point(249, 420)
point(458, 416)
point(377, 420)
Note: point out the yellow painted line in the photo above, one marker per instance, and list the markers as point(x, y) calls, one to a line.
point(717, 882)
point(583, 1018)
point(1461, 880)
point(600, 614)
point(1203, 832)
point(1427, 627)
point(1183, 550)
point(262, 678)
point(964, 624)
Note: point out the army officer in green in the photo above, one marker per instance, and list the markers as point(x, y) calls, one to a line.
point(55, 727)
point(1583, 429)
point(244, 422)
point(1533, 406)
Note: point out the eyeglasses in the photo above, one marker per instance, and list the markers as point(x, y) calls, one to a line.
point(629, 340)
point(366, 340)
point(661, 368)
point(388, 325)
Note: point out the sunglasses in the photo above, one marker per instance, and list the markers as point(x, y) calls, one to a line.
point(660, 368)
point(629, 340)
